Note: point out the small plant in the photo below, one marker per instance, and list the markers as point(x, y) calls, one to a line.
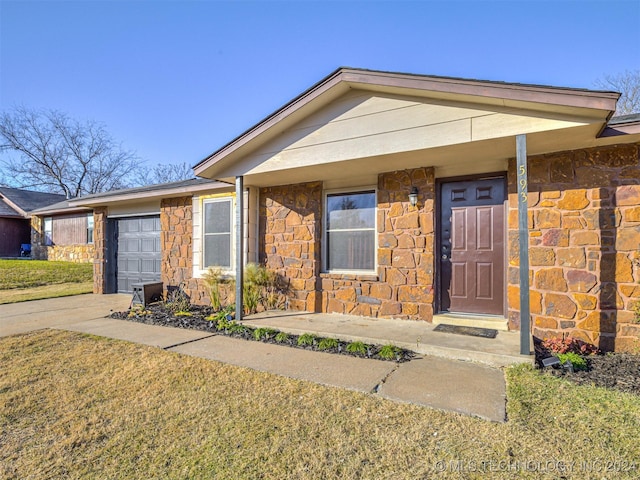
point(213, 279)
point(389, 352)
point(183, 314)
point(327, 344)
point(578, 362)
point(237, 328)
point(558, 345)
point(263, 333)
point(138, 311)
point(177, 300)
point(282, 337)
point(307, 340)
point(358, 348)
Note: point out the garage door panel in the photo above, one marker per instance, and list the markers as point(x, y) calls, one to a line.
point(148, 245)
point(138, 251)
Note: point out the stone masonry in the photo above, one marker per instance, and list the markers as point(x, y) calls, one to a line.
point(176, 220)
point(403, 287)
point(290, 239)
point(584, 240)
point(100, 245)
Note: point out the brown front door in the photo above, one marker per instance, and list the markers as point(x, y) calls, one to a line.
point(471, 243)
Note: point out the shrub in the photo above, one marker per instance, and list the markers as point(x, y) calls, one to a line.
point(327, 343)
point(359, 348)
point(578, 362)
point(558, 345)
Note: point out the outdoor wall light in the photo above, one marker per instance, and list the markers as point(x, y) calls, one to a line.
point(413, 196)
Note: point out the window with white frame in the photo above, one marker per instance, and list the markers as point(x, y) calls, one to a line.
point(217, 233)
point(48, 231)
point(90, 228)
point(350, 231)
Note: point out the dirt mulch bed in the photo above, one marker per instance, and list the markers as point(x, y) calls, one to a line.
point(158, 314)
point(619, 371)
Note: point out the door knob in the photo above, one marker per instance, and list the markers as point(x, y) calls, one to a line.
point(444, 256)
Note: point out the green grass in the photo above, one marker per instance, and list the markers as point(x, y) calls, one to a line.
point(47, 291)
point(36, 273)
point(76, 406)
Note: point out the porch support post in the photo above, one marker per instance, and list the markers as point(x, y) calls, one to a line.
point(523, 235)
point(239, 246)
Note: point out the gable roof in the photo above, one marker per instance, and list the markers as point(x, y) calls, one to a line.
point(598, 106)
point(23, 202)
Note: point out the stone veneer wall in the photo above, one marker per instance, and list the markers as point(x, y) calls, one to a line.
point(584, 224)
point(290, 218)
point(176, 237)
point(403, 287)
point(290, 239)
point(100, 245)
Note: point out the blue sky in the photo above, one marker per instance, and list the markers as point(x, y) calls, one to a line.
point(176, 80)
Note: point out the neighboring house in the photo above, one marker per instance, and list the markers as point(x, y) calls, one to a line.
point(60, 232)
point(16, 206)
point(328, 181)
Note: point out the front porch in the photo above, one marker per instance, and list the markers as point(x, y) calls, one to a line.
point(418, 336)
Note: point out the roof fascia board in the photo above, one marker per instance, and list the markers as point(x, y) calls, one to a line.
point(302, 100)
point(167, 193)
point(591, 99)
point(58, 211)
point(366, 79)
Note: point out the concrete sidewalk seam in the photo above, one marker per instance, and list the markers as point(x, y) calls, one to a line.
point(189, 341)
point(379, 385)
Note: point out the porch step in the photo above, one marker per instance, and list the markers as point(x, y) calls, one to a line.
point(479, 321)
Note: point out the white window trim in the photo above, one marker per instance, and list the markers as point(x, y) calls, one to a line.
point(47, 241)
point(325, 233)
point(93, 229)
point(198, 233)
point(232, 247)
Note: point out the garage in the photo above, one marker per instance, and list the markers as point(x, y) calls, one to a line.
point(138, 251)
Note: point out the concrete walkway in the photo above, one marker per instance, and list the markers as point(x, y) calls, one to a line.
point(446, 384)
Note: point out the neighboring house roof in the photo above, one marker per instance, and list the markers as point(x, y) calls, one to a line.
point(587, 108)
point(23, 202)
point(623, 125)
point(161, 190)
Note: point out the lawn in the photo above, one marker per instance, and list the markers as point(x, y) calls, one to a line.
point(22, 280)
point(76, 406)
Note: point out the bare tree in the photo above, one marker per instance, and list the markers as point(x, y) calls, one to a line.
point(626, 83)
point(165, 173)
point(47, 150)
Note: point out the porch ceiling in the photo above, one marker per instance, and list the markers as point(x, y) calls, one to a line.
point(356, 124)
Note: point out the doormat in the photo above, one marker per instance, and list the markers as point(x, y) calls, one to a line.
point(473, 331)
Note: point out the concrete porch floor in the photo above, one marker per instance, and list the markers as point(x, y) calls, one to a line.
point(410, 334)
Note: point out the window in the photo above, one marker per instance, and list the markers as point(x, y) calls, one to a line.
point(90, 228)
point(217, 238)
point(48, 231)
point(350, 231)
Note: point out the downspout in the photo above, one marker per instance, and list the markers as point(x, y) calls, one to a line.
point(239, 246)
